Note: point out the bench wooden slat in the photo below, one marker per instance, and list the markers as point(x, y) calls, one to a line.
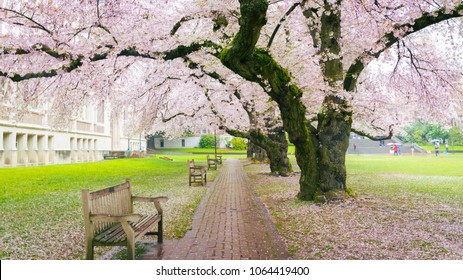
point(141, 228)
point(116, 234)
point(110, 234)
point(104, 192)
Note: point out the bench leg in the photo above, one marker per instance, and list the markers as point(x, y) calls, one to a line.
point(130, 249)
point(130, 240)
point(160, 237)
point(89, 250)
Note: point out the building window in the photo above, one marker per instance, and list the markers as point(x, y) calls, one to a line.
point(183, 142)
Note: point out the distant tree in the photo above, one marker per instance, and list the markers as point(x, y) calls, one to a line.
point(423, 132)
point(455, 136)
point(238, 143)
point(188, 133)
point(207, 141)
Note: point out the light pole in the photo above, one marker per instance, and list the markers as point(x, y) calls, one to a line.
point(215, 144)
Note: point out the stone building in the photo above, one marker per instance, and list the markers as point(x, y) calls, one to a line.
point(31, 140)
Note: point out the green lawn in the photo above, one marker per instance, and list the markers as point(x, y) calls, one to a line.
point(433, 178)
point(405, 208)
point(430, 147)
point(41, 206)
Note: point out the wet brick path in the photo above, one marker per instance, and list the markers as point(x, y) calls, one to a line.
point(231, 223)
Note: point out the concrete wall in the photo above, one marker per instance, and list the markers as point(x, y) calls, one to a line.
point(190, 142)
point(21, 145)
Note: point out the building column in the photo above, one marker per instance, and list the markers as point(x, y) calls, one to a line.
point(79, 150)
point(42, 145)
point(10, 156)
point(2, 151)
point(32, 149)
point(91, 154)
point(21, 140)
point(73, 149)
point(51, 150)
point(85, 149)
point(95, 150)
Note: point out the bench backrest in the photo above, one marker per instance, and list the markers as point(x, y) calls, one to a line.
point(113, 200)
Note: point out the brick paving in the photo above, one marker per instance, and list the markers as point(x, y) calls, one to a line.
point(231, 223)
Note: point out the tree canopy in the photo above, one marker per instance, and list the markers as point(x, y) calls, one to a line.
point(329, 66)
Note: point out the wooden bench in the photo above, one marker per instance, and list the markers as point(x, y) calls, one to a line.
point(197, 173)
point(110, 221)
point(219, 159)
point(211, 162)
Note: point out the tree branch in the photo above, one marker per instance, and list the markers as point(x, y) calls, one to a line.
point(180, 51)
point(38, 25)
point(390, 38)
point(290, 10)
point(236, 133)
point(195, 111)
point(214, 75)
point(372, 137)
point(39, 47)
point(217, 17)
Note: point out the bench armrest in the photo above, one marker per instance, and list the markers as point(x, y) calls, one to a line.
point(157, 201)
point(199, 167)
point(115, 217)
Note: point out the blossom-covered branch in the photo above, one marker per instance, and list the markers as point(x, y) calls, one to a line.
point(76, 61)
point(398, 33)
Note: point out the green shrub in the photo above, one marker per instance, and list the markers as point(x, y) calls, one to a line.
point(207, 141)
point(238, 144)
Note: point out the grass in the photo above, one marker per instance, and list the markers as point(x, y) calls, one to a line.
point(430, 147)
point(41, 206)
point(406, 208)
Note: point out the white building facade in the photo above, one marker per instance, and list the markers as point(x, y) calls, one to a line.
point(31, 141)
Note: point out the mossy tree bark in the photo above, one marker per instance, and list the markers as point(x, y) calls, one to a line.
point(275, 147)
point(320, 151)
point(256, 152)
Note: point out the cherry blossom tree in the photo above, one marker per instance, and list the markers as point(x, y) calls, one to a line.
point(265, 129)
point(218, 107)
point(315, 59)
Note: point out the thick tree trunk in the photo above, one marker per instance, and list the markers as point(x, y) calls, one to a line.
point(320, 151)
point(276, 147)
point(323, 169)
point(334, 129)
point(256, 152)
